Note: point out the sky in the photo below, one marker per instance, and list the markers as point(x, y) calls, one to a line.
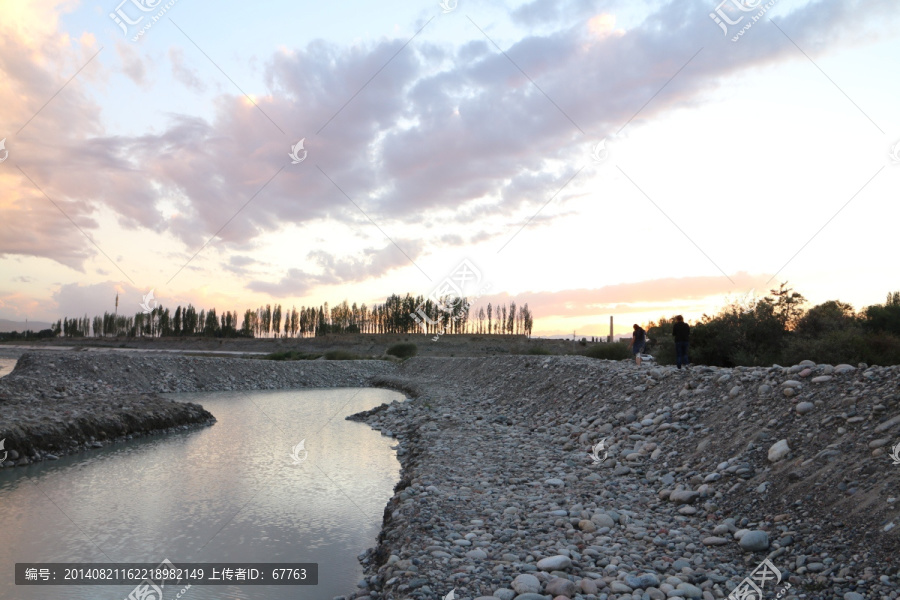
point(591, 158)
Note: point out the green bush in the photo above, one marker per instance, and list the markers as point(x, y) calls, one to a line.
point(403, 350)
point(613, 351)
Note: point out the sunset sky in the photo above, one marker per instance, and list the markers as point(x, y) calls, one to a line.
point(434, 134)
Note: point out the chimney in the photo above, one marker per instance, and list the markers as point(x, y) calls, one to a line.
point(610, 338)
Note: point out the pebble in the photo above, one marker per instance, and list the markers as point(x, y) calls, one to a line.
point(755, 541)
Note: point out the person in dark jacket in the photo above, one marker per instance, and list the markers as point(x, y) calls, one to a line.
point(638, 340)
point(681, 331)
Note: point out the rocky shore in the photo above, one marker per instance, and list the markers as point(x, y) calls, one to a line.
point(703, 474)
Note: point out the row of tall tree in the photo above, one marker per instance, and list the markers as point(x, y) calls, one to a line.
point(397, 314)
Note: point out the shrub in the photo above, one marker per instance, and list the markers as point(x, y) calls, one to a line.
point(403, 350)
point(614, 351)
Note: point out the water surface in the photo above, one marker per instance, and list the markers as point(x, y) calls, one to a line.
point(228, 493)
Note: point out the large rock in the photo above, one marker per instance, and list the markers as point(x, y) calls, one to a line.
point(526, 584)
point(755, 541)
point(560, 587)
point(554, 563)
point(778, 450)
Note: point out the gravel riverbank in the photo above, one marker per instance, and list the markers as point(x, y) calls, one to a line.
point(703, 474)
point(500, 496)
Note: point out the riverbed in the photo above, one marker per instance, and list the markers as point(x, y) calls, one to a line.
point(245, 489)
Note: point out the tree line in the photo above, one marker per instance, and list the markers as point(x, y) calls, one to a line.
point(780, 329)
point(399, 315)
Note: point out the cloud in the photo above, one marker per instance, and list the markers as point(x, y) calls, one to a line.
point(438, 128)
point(132, 64)
point(373, 263)
point(639, 297)
point(182, 73)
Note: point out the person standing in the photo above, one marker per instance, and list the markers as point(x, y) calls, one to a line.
point(638, 340)
point(681, 331)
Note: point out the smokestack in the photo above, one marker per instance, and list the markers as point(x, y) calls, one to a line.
point(610, 338)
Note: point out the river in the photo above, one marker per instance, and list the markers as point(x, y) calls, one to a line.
point(231, 492)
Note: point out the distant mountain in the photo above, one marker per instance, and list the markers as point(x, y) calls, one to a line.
point(7, 325)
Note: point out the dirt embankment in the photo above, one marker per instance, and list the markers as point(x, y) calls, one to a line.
point(363, 344)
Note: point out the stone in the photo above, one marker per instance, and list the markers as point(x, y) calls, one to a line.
point(588, 586)
point(504, 594)
point(792, 383)
point(755, 541)
point(603, 520)
point(587, 526)
point(554, 563)
point(843, 368)
point(683, 496)
point(714, 541)
point(805, 408)
point(477, 554)
point(887, 424)
point(788, 392)
point(560, 587)
point(554, 481)
point(617, 587)
point(526, 584)
point(822, 379)
point(778, 451)
point(690, 591)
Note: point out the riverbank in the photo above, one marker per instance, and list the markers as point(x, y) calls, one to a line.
point(499, 491)
point(706, 473)
point(54, 404)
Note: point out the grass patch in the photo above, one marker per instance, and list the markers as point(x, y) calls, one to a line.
point(613, 351)
point(403, 350)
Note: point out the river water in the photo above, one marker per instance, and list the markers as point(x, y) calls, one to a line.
point(231, 492)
